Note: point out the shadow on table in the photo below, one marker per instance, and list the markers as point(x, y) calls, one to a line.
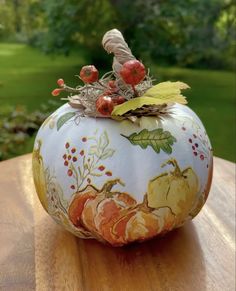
point(175, 261)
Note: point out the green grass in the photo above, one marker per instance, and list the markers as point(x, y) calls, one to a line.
point(27, 77)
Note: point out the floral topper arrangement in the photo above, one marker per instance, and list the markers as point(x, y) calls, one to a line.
point(125, 92)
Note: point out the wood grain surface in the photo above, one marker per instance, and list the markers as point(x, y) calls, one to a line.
point(37, 254)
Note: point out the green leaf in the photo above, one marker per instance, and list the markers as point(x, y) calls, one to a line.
point(107, 154)
point(135, 103)
point(64, 118)
point(162, 93)
point(95, 174)
point(103, 141)
point(93, 150)
point(157, 139)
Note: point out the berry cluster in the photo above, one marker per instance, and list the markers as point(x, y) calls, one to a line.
point(200, 152)
point(195, 149)
point(69, 158)
point(131, 73)
point(87, 167)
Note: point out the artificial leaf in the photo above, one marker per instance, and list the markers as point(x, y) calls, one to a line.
point(64, 118)
point(168, 92)
point(157, 139)
point(135, 103)
point(162, 93)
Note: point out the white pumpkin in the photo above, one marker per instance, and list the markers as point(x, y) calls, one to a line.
point(118, 181)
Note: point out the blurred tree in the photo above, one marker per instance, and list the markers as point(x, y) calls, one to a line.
point(196, 33)
point(179, 32)
point(20, 19)
point(70, 22)
point(6, 20)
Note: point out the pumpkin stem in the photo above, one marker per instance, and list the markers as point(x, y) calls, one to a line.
point(177, 172)
point(109, 185)
point(144, 205)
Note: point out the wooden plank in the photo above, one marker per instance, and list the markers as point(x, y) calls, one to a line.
point(36, 253)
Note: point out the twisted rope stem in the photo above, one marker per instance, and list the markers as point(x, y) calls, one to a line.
point(113, 42)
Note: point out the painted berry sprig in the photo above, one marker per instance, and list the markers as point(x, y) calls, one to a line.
point(125, 92)
point(82, 166)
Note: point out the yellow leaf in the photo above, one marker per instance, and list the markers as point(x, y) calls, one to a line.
point(135, 103)
point(162, 93)
point(168, 92)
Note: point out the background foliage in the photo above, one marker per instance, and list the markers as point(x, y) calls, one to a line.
point(189, 33)
point(178, 40)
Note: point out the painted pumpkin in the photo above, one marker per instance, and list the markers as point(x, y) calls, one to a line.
point(101, 170)
point(122, 171)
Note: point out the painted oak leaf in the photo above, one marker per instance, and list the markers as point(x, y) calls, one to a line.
point(162, 93)
point(158, 139)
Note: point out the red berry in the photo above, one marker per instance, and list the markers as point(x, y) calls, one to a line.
point(193, 147)
point(74, 159)
point(64, 156)
point(112, 84)
point(108, 173)
point(108, 92)
point(72, 187)
point(60, 82)
point(66, 163)
point(56, 92)
point(202, 157)
point(101, 168)
point(84, 139)
point(195, 153)
point(190, 140)
point(67, 145)
point(118, 100)
point(89, 74)
point(196, 145)
point(73, 150)
point(81, 153)
point(105, 105)
point(69, 172)
point(69, 157)
point(133, 72)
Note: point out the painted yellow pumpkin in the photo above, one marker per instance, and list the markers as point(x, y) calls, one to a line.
point(39, 175)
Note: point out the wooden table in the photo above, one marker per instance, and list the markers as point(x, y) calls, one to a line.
point(36, 254)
